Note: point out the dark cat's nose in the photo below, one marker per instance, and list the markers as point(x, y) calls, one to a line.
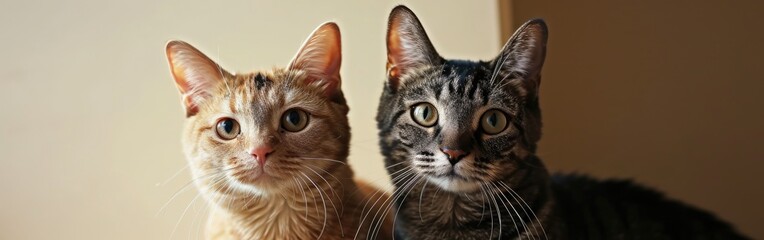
point(454, 155)
point(261, 153)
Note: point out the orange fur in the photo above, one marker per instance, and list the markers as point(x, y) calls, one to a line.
point(304, 188)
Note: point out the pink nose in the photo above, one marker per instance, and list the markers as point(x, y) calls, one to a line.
point(454, 155)
point(261, 153)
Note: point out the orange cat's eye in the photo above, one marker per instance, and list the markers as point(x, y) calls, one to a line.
point(294, 120)
point(227, 128)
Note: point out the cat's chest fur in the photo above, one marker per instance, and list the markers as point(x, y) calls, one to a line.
point(471, 217)
point(275, 218)
point(331, 213)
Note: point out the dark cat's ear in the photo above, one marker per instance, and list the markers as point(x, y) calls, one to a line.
point(320, 58)
point(522, 57)
point(408, 46)
point(195, 74)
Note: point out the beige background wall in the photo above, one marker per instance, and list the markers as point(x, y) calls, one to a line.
point(91, 119)
point(665, 92)
point(668, 94)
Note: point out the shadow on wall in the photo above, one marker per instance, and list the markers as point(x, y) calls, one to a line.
point(665, 93)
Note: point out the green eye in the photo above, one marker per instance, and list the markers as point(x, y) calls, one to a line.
point(227, 128)
point(294, 120)
point(493, 122)
point(425, 114)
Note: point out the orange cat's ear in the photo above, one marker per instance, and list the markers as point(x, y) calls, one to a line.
point(522, 57)
point(408, 46)
point(320, 58)
point(195, 74)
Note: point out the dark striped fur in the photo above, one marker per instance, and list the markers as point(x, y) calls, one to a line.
point(499, 188)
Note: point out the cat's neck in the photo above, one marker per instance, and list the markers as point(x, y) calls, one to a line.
point(300, 212)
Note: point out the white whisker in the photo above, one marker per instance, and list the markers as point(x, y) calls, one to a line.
point(173, 176)
point(395, 215)
point(504, 201)
point(339, 219)
point(397, 178)
point(526, 206)
point(324, 159)
point(322, 201)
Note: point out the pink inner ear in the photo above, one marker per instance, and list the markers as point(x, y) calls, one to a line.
point(395, 52)
point(408, 46)
point(195, 74)
point(320, 58)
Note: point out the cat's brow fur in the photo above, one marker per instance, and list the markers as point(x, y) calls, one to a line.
point(502, 189)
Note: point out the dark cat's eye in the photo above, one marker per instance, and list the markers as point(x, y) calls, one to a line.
point(227, 128)
point(493, 121)
point(425, 114)
point(294, 120)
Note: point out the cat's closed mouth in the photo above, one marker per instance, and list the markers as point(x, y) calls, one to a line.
point(254, 175)
point(453, 174)
point(455, 182)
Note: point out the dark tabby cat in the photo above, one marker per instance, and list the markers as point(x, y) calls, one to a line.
point(459, 139)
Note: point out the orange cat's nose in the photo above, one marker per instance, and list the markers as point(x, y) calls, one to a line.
point(261, 153)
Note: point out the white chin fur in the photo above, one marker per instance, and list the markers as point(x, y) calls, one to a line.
point(454, 184)
point(244, 187)
point(250, 188)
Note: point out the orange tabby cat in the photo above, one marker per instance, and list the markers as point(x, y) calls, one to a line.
point(268, 149)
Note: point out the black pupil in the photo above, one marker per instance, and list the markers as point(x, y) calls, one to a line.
point(293, 117)
point(426, 113)
point(492, 119)
point(228, 125)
